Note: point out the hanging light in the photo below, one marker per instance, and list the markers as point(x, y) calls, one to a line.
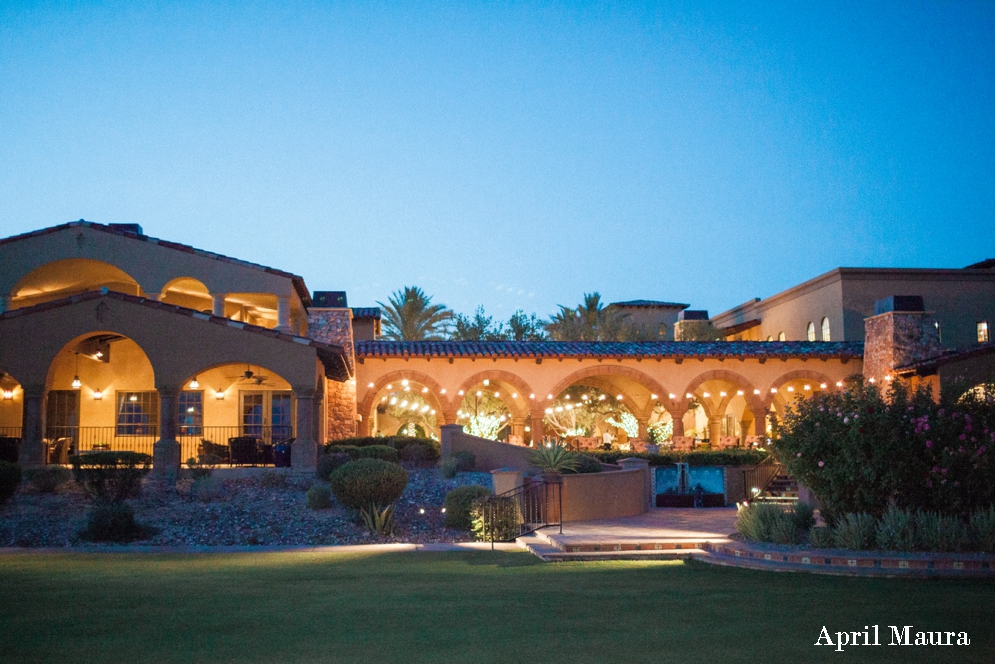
point(76, 381)
point(194, 384)
point(8, 395)
point(486, 382)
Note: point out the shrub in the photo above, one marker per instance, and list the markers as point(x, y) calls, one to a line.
point(587, 464)
point(207, 489)
point(896, 531)
point(465, 461)
point(803, 515)
point(459, 505)
point(554, 458)
point(855, 531)
point(937, 532)
point(430, 446)
point(10, 477)
point(46, 479)
point(735, 457)
point(447, 467)
point(384, 452)
point(414, 453)
point(820, 537)
point(318, 497)
point(110, 477)
point(765, 522)
point(495, 518)
point(983, 530)
point(351, 450)
point(327, 463)
point(364, 482)
point(378, 520)
point(111, 522)
point(271, 479)
point(203, 465)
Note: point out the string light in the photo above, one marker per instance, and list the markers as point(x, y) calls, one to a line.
point(739, 393)
point(443, 390)
point(808, 387)
point(706, 395)
point(756, 391)
point(487, 382)
point(514, 395)
point(370, 385)
point(839, 383)
point(688, 395)
point(532, 396)
point(773, 390)
point(722, 394)
point(672, 395)
point(424, 390)
point(791, 389)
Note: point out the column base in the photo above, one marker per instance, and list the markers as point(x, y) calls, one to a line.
point(165, 460)
point(31, 453)
point(303, 456)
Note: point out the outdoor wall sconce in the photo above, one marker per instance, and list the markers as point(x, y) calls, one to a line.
point(219, 395)
point(8, 395)
point(98, 395)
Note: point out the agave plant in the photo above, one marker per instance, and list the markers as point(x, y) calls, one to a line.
point(379, 521)
point(554, 457)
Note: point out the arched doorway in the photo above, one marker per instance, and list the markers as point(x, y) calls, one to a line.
point(403, 403)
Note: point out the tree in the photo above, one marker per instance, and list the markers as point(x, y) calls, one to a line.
point(526, 328)
point(478, 328)
point(590, 321)
point(411, 316)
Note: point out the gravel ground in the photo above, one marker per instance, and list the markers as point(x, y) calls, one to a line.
point(262, 510)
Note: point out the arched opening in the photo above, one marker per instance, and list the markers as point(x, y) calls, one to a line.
point(67, 277)
point(825, 329)
point(100, 395)
point(810, 331)
point(495, 405)
point(728, 410)
point(253, 308)
point(187, 292)
point(237, 412)
point(404, 402)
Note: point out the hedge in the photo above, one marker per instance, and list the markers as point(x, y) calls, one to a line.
point(703, 458)
point(432, 447)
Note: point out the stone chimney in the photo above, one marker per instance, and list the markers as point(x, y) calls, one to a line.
point(900, 332)
point(694, 325)
point(330, 321)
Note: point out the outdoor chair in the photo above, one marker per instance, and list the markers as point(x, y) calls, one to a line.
point(220, 451)
point(244, 450)
point(59, 452)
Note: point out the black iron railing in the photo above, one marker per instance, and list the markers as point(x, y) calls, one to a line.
point(523, 510)
point(757, 479)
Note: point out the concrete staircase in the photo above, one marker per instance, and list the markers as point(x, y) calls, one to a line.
point(782, 489)
point(550, 546)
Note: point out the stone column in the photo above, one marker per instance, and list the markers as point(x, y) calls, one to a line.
point(518, 427)
point(219, 304)
point(32, 452)
point(537, 432)
point(760, 423)
point(677, 415)
point(643, 423)
point(283, 314)
point(506, 479)
point(643, 465)
point(166, 450)
point(304, 451)
point(714, 429)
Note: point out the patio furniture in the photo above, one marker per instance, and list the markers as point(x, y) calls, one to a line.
point(281, 453)
point(58, 453)
point(244, 450)
point(9, 448)
point(221, 451)
point(101, 447)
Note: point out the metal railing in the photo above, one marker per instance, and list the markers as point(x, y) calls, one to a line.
point(757, 479)
point(10, 432)
point(523, 510)
point(63, 442)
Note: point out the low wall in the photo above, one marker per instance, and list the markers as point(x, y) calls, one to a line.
point(736, 491)
point(606, 495)
point(488, 454)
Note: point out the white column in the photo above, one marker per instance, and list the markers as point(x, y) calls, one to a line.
point(219, 304)
point(283, 315)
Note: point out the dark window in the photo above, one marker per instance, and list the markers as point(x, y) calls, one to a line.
point(137, 413)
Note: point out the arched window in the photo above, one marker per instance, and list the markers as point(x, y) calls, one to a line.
point(810, 332)
point(825, 329)
point(780, 336)
point(770, 337)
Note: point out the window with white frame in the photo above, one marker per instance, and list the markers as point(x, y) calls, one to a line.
point(137, 413)
point(810, 331)
point(825, 329)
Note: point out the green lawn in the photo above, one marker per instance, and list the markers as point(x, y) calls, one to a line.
point(458, 607)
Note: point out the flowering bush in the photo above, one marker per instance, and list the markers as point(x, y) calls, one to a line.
point(863, 452)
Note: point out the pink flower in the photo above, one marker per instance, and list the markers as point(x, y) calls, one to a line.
point(799, 455)
point(821, 464)
point(929, 443)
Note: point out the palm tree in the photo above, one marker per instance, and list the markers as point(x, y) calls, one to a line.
point(411, 316)
point(590, 321)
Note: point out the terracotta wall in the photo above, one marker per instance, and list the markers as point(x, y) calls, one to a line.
point(606, 495)
point(489, 454)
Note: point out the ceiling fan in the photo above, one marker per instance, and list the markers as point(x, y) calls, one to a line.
point(250, 377)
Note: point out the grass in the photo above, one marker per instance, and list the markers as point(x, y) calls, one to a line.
point(458, 607)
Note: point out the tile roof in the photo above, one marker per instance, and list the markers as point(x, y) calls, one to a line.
point(297, 280)
point(331, 355)
point(650, 304)
point(579, 349)
point(366, 312)
point(945, 357)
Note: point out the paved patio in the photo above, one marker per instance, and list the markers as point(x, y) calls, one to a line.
point(670, 524)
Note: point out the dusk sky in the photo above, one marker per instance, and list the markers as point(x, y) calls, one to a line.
point(512, 155)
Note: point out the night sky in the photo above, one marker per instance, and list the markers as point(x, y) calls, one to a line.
point(513, 155)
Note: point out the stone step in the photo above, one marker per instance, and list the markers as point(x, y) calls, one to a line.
point(549, 553)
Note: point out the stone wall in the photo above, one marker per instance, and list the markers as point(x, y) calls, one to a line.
point(334, 326)
point(894, 339)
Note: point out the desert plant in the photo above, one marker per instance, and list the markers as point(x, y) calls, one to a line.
point(938, 532)
point(111, 522)
point(983, 530)
point(855, 531)
point(820, 537)
point(379, 520)
point(448, 467)
point(110, 477)
point(207, 489)
point(896, 530)
point(782, 530)
point(495, 518)
point(803, 515)
point(364, 482)
point(459, 505)
point(765, 522)
point(554, 457)
point(10, 477)
point(318, 497)
point(46, 479)
point(465, 461)
point(327, 463)
point(587, 464)
point(384, 452)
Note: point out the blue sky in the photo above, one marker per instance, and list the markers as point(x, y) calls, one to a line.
point(513, 155)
